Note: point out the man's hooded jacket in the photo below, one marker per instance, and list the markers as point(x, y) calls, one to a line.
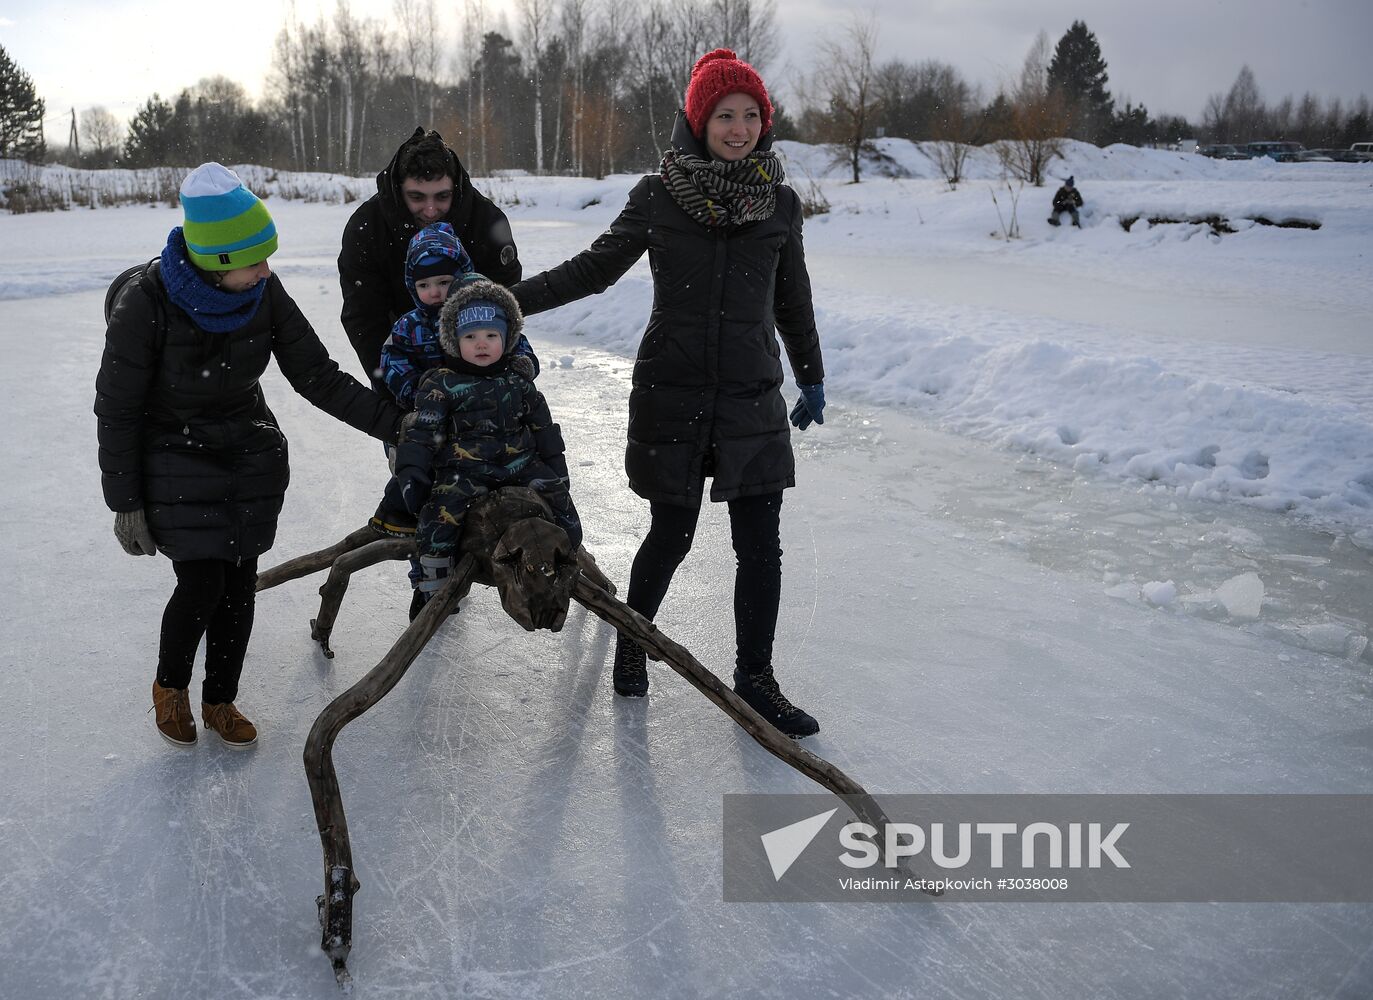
point(371, 264)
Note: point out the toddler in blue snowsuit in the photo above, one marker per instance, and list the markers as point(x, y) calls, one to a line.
point(435, 259)
point(479, 425)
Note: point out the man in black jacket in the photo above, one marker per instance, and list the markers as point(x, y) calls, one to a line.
point(424, 183)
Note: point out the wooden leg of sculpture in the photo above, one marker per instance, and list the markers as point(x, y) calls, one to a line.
point(340, 884)
point(313, 562)
point(586, 562)
point(331, 593)
point(658, 646)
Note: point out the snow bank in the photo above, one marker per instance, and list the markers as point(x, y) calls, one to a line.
point(923, 305)
point(903, 158)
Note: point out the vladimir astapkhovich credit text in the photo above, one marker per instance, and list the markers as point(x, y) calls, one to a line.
point(1043, 848)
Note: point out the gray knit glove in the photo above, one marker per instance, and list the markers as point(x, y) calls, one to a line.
point(131, 528)
point(521, 364)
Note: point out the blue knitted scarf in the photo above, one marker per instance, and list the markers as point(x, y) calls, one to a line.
point(212, 309)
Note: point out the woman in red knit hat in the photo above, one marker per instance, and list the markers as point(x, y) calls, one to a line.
point(723, 235)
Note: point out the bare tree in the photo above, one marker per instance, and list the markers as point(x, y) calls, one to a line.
point(613, 25)
point(1243, 107)
point(845, 84)
point(915, 97)
point(473, 30)
point(690, 33)
point(351, 65)
point(649, 56)
point(1213, 119)
point(535, 22)
point(431, 56)
point(102, 133)
point(749, 27)
point(286, 82)
point(955, 131)
point(420, 47)
point(1039, 119)
point(575, 16)
point(379, 65)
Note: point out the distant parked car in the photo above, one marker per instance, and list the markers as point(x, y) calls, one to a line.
point(1344, 155)
point(1283, 152)
point(1364, 149)
point(1223, 151)
point(1313, 155)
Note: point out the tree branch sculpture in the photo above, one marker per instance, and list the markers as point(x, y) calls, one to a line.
point(509, 542)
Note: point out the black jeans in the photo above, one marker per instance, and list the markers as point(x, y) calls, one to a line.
point(754, 524)
point(213, 599)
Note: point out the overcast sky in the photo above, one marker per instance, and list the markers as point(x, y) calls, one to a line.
point(1168, 54)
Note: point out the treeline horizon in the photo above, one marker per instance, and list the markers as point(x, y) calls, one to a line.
point(589, 89)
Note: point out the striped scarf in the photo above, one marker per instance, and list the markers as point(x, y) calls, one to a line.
point(720, 193)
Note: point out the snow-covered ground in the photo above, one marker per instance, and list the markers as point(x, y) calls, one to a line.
point(1090, 512)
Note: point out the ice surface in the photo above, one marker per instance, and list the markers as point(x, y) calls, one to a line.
point(521, 833)
point(1159, 593)
point(1242, 596)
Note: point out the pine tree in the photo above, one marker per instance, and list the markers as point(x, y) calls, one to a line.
point(21, 114)
point(1078, 72)
point(149, 143)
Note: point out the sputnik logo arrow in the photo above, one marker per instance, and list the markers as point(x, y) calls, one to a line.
point(784, 845)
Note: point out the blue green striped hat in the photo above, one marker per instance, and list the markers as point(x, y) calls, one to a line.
point(227, 226)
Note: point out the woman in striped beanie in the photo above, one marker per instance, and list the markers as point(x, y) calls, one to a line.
point(192, 461)
point(723, 236)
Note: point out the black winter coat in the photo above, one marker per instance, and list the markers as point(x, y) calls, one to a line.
point(185, 432)
point(371, 264)
point(706, 397)
point(1067, 198)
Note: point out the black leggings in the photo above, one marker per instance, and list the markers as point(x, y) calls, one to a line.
point(754, 524)
point(213, 599)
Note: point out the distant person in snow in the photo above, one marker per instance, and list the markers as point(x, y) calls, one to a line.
point(723, 235)
point(1066, 199)
point(191, 458)
point(480, 425)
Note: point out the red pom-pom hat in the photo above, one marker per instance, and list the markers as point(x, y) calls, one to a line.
point(715, 76)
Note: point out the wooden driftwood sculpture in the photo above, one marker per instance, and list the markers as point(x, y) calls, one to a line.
point(509, 542)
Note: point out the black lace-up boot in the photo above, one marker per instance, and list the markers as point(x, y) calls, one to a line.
point(631, 668)
point(759, 689)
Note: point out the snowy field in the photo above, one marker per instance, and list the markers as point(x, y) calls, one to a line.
point(1092, 511)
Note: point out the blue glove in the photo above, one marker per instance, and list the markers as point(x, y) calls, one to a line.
point(809, 407)
point(414, 487)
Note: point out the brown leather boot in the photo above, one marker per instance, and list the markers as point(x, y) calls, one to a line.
point(226, 720)
point(174, 719)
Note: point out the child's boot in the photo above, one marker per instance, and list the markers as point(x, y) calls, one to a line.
point(396, 522)
point(436, 570)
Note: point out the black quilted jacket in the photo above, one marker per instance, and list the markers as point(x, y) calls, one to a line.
point(706, 399)
point(184, 430)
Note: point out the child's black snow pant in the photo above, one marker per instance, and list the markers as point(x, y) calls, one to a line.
point(441, 519)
